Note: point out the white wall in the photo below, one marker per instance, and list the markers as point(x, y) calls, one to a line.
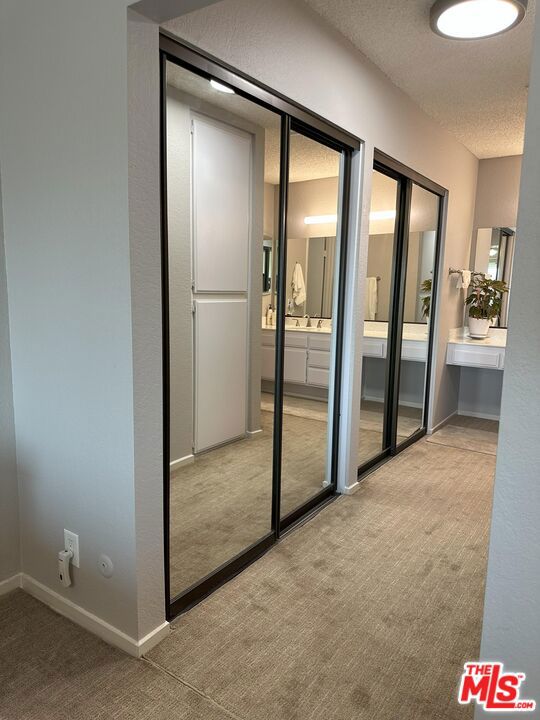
point(497, 192)
point(9, 496)
point(77, 308)
point(511, 631)
point(288, 47)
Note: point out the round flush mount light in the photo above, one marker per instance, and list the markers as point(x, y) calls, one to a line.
point(473, 19)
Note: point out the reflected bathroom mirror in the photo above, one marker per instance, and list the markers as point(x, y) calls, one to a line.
point(267, 269)
point(494, 256)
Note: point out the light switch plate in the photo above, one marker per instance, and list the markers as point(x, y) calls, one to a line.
point(71, 542)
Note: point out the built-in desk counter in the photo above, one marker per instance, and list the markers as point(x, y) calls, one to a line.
point(467, 352)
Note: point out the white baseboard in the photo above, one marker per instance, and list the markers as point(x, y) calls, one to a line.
point(351, 489)
point(444, 422)
point(186, 460)
point(10, 584)
point(481, 416)
point(405, 403)
point(251, 433)
point(80, 616)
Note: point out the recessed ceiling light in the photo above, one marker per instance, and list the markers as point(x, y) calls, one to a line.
point(222, 88)
point(473, 19)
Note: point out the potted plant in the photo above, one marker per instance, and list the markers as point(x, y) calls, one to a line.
point(425, 290)
point(484, 302)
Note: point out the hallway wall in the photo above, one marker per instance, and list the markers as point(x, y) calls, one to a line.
point(511, 631)
point(9, 495)
point(288, 47)
point(81, 297)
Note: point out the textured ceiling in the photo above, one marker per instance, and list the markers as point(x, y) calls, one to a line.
point(475, 89)
point(309, 160)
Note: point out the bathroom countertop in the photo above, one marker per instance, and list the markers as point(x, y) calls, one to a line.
point(411, 331)
point(460, 336)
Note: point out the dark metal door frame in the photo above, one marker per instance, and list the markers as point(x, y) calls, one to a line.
point(296, 117)
point(406, 178)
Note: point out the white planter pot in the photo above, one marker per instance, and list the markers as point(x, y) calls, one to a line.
point(478, 328)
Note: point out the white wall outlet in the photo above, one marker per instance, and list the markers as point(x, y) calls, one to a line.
point(71, 542)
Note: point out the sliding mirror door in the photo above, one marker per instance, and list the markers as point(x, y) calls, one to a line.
point(419, 266)
point(252, 307)
point(222, 159)
point(404, 237)
point(373, 438)
point(311, 318)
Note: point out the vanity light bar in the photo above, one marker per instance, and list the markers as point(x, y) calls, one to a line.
point(382, 215)
point(325, 219)
point(319, 219)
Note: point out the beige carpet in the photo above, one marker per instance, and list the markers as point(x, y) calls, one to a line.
point(366, 612)
point(221, 504)
point(51, 669)
point(469, 433)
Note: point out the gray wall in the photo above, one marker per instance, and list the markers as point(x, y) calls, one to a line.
point(498, 192)
point(511, 631)
point(9, 496)
point(76, 354)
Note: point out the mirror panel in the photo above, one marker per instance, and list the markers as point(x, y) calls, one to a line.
point(494, 256)
point(423, 229)
point(219, 227)
point(313, 200)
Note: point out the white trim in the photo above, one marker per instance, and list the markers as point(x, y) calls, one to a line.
point(482, 416)
point(444, 422)
point(10, 584)
point(250, 433)
point(186, 460)
point(351, 489)
point(80, 616)
point(405, 403)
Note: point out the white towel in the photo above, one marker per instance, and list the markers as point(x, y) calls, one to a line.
point(372, 298)
point(466, 274)
point(297, 285)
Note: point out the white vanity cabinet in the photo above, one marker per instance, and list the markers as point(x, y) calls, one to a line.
point(307, 357)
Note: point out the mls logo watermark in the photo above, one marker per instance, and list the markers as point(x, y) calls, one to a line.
point(487, 684)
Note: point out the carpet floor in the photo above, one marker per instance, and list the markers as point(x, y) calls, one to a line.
point(221, 504)
point(469, 433)
point(366, 612)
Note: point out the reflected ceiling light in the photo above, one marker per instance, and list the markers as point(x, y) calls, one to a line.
point(319, 219)
point(222, 88)
point(493, 252)
point(472, 19)
point(382, 215)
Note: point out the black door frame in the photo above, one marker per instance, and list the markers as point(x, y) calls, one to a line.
point(293, 116)
point(406, 178)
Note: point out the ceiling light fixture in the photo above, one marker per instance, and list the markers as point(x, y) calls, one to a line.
point(319, 219)
point(382, 215)
point(473, 19)
point(221, 88)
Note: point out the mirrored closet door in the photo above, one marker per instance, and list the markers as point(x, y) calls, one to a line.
point(401, 283)
point(253, 239)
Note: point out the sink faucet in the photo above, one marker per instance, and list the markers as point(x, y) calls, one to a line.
point(297, 322)
point(308, 324)
point(319, 324)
